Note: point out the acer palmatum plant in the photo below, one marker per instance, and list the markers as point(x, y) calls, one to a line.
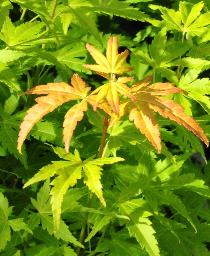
point(115, 98)
point(139, 102)
point(133, 175)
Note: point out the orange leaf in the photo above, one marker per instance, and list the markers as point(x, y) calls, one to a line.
point(120, 66)
point(72, 117)
point(79, 84)
point(112, 51)
point(162, 89)
point(101, 94)
point(98, 69)
point(172, 110)
point(45, 104)
point(55, 89)
point(99, 58)
point(78, 89)
point(116, 117)
point(112, 63)
point(112, 98)
point(92, 99)
point(144, 119)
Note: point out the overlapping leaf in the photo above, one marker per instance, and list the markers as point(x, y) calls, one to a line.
point(188, 19)
point(57, 94)
point(7, 224)
point(68, 173)
point(112, 63)
point(147, 100)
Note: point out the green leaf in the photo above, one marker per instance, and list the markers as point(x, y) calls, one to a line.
point(188, 182)
point(5, 224)
point(157, 48)
point(68, 251)
point(5, 211)
point(23, 34)
point(9, 126)
point(65, 234)
point(193, 63)
point(68, 173)
point(68, 178)
point(92, 180)
point(43, 206)
point(73, 56)
point(87, 22)
point(48, 171)
point(172, 17)
point(105, 160)
point(11, 104)
point(165, 169)
point(169, 198)
point(188, 19)
point(45, 131)
point(5, 6)
point(7, 55)
point(99, 223)
point(144, 234)
point(189, 16)
point(121, 9)
point(19, 224)
point(8, 77)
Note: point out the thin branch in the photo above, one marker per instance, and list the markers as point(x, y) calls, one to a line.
point(104, 135)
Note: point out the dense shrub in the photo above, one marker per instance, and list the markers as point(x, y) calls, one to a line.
point(111, 157)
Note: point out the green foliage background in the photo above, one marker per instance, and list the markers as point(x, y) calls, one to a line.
point(157, 204)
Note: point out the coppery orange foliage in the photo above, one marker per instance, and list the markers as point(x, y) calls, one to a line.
point(141, 101)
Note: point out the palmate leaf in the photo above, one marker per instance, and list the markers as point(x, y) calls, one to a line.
point(119, 244)
point(144, 234)
point(67, 174)
point(188, 19)
point(7, 224)
point(198, 89)
point(44, 215)
point(73, 56)
point(99, 223)
point(144, 99)
point(119, 8)
point(23, 34)
point(92, 180)
point(61, 184)
point(57, 94)
point(8, 77)
point(148, 99)
point(139, 225)
point(112, 63)
point(171, 199)
point(72, 117)
point(9, 134)
point(145, 121)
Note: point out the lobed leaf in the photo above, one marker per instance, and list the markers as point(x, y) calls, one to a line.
point(172, 110)
point(68, 178)
point(45, 105)
point(144, 119)
point(57, 94)
point(92, 180)
point(72, 117)
point(112, 63)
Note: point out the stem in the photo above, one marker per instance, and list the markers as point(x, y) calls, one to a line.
point(23, 13)
point(103, 137)
point(54, 5)
point(84, 228)
point(179, 68)
point(100, 154)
